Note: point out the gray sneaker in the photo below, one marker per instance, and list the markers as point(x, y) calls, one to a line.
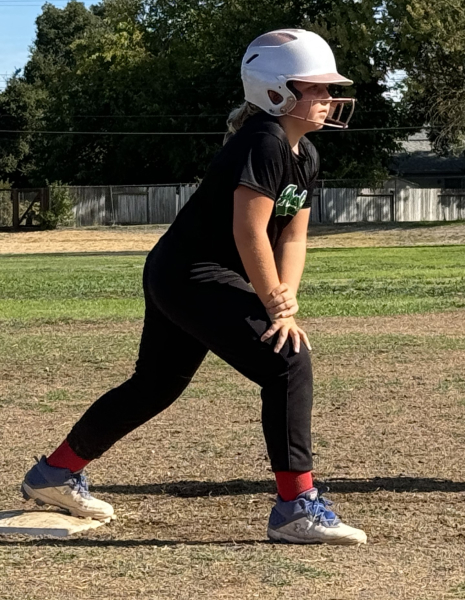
point(62, 488)
point(308, 520)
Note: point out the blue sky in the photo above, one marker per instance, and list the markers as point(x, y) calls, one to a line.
point(17, 31)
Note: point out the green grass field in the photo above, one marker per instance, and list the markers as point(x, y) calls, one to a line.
point(336, 282)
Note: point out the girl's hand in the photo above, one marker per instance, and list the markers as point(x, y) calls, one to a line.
point(286, 328)
point(283, 303)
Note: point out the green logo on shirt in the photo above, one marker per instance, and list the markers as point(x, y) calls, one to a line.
point(289, 203)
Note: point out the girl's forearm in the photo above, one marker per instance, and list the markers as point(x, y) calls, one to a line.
point(259, 263)
point(290, 262)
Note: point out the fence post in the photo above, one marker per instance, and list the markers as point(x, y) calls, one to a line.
point(45, 199)
point(113, 216)
point(15, 200)
point(147, 204)
point(392, 206)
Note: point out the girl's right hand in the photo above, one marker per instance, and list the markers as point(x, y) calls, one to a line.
point(286, 328)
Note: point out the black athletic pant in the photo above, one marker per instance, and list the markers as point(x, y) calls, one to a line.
point(188, 312)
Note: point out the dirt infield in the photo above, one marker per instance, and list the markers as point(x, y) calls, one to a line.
point(192, 489)
point(103, 239)
point(432, 325)
point(143, 238)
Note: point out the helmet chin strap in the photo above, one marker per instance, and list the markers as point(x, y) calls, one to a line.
point(334, 118)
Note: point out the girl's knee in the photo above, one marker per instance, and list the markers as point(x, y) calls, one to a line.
point(293, 363)
point(300, 364)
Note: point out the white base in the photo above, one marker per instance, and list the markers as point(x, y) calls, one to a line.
point(43, 522)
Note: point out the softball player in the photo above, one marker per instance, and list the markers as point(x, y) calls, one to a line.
point(246, 223)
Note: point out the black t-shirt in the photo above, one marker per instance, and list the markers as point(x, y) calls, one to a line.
point(260, 157)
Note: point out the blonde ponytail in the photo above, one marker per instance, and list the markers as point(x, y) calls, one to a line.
point(238, 116)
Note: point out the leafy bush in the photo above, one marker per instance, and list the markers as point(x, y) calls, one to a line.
point(6, 206)
point(60, 211)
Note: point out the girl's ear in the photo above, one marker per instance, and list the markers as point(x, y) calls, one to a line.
point(291, 86)
point(275, 97)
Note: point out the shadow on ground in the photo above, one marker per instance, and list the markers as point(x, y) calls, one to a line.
point(83, 542)
point(236, 487)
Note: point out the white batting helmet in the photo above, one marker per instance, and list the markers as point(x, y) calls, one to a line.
point(276, 58)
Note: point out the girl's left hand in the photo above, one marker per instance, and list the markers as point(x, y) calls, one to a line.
point(286, 328)
point(283, 302)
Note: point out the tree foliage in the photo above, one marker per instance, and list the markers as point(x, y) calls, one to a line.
point(174, 66)
point(427, 40)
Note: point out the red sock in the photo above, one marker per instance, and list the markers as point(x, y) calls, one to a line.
point(65, 458)
point(292, 483)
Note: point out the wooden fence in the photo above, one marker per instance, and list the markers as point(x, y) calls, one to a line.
point(131, 205)
point(350, 205)
point(20, 207)
point(160, 204)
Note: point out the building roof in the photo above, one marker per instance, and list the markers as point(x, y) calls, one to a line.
point(418, 142)
point(428, 162)
point(419, 158)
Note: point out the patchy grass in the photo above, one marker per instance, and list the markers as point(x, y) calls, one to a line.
point(356, 282)
point(459, 591)
point(193, 489)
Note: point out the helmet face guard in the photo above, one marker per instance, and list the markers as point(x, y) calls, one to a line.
point(339, 115)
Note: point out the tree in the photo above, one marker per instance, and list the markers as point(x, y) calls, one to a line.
point(21, 109)
point(100, 93)
point(427, 40)
point(205, 45)
point(174, 66)
point(27, 103)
